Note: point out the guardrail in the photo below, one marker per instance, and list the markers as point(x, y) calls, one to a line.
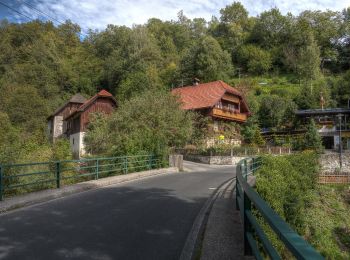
point(254, 236)
point(27, 177)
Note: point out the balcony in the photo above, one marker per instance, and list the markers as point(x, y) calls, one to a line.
point(229, 115)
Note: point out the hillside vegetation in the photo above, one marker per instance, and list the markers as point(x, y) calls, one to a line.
point(320, 213)
point(280, 62)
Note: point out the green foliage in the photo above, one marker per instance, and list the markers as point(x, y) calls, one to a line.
point(317, 212)
point(42, 65)
point(207, 61)
point(286, 182)
point(276, 111)
point(149, 123)
point(327, 221)
point(313, 139)
point(251, 134)
point(61, 150)
point(254, 59)
point(9, 140)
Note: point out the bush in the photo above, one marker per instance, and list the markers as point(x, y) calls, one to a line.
point(286, 182)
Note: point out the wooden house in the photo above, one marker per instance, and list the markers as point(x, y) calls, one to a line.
point(76, 117)
point(77, 122)
point(217, 100)
point(56, 124)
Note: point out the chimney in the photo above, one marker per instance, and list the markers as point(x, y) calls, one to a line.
point(195, 81)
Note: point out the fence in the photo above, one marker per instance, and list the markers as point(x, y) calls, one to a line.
point(249, 201)
point(28, 177)
point(333, 178)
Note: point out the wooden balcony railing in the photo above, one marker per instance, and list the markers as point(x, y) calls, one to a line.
point(231, 115)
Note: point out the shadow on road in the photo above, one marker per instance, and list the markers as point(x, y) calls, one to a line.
point(111, 223)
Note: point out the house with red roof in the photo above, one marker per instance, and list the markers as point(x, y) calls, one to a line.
point(71, 119)
point(217, 100)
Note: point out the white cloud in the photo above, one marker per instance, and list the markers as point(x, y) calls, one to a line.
point(96, 14)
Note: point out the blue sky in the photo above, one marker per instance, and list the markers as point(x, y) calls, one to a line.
point(96, 14)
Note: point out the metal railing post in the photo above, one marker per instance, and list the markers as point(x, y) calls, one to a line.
point(150, 162)
point(58, 174)
point(238, 171)
point(125, 165)
point(97, 169)
point(1, 183)
point(245, 170)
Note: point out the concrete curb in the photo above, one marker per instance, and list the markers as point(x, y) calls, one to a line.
point(45, 195)
point(192, 247)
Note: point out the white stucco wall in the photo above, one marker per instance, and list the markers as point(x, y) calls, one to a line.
point(77, 144)
point(57, 126)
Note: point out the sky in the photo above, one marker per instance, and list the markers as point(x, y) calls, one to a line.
point(97, 14)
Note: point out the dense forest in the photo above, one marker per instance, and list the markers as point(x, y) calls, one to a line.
point(280, 62)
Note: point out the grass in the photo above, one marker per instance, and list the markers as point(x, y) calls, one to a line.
point(327, 225)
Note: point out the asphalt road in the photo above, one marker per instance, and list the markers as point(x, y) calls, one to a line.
point(144, 219)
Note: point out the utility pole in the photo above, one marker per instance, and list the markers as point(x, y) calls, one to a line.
point(340, 142)
point(239, 75)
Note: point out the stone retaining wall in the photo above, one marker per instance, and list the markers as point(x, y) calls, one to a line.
point(330, 168)
point(329, 162)
point(217, 160)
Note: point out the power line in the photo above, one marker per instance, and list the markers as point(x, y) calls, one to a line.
point(47, 15)
point(34, 8)
point(24, 15)
point(14, 10)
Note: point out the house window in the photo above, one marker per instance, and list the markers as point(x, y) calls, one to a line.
point(219, 105)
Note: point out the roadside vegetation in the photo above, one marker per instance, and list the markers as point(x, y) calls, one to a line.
point(318, 212)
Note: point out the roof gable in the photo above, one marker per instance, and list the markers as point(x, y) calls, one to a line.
point(102, 94)
point(77, 98)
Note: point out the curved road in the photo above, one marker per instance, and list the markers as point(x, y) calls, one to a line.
point(143, 219)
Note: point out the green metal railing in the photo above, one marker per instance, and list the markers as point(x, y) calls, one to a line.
point(254, 236)
point(28, 177)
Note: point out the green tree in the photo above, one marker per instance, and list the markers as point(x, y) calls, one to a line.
point(254, 59)
point(207, 61)
point(313, 139)
point(276, 112)
point(234, 27)
point(148, 123)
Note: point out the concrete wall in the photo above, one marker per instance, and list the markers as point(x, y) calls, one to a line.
point(57, 126)
point(77, 144)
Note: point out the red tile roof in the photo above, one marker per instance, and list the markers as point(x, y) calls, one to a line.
point(205, 95)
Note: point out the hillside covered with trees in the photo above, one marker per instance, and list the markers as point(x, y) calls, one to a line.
point(280, 62)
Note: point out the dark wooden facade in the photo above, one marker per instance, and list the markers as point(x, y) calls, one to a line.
point(79, 121)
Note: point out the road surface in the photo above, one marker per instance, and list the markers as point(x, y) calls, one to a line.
point(144, 219)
